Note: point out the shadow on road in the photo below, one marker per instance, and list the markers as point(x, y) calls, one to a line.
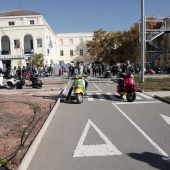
point(155, 160)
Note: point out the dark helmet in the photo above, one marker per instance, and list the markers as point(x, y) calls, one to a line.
point(78, 62)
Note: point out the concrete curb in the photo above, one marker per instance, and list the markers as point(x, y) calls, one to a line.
point(162, 99)
point(34, 146)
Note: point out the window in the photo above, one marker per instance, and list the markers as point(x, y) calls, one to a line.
point(39, 42)
point(71, 52)
point(71, 41)
point(61, 41)
point(11, 23)
point(81, 52)
point(31, 22)
point(61, 53)
point(81, 40)
point(16, 44)
point(48, 51)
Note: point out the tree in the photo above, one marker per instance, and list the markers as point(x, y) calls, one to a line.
point(38, 60)
point(111, 47)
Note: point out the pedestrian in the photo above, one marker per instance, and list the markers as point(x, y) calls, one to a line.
point(94, 69)
point(50, 69)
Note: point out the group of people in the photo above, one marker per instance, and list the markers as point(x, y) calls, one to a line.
point(24, 71)
point(79, 69)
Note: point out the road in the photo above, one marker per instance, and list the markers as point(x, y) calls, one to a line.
point(106, 132)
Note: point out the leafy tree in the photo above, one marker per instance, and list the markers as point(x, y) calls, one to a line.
point(38, 60)
point(111, 47)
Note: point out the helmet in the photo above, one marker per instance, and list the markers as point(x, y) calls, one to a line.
point(78, 62)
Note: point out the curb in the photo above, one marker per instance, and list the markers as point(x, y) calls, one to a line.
point(34, 146)
point(162, 99)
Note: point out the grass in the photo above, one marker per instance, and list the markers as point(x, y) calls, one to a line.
point(167, 97)
point(153, 84)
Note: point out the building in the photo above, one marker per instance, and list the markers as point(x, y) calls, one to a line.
point(23, 33)
point(72, 47)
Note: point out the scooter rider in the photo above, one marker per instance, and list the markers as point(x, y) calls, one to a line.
point(78, 69)
point(127, 68)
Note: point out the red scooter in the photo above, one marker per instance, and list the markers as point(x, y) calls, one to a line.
point(129, 88)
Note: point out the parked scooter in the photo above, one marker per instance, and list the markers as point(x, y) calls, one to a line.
point(2, 84)
point(36, 82)
point(107, 73)
point(129, 88)
point(79, 89)
point(10, 82)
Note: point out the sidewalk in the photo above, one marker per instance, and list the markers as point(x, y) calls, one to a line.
point(160, 95)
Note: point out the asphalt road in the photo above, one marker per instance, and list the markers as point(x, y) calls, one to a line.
point(106, 132)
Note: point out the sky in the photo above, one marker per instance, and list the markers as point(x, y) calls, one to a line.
point(75, 16)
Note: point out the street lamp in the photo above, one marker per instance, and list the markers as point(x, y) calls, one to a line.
point(142, 40)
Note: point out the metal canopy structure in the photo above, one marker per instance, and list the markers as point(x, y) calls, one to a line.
point(152, 34)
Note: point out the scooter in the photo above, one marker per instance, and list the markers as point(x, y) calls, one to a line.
point(107, 73)
point(79, 89)
point(11, 82)
point(2, 81)
point(129, 88)
point(36, 82)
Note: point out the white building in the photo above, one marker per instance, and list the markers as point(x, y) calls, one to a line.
point(72, 47)
point(23, 33)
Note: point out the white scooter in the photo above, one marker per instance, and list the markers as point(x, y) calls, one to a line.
point(2, 84)
point(7, 82)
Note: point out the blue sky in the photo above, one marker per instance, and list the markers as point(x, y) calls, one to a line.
point(69, 16)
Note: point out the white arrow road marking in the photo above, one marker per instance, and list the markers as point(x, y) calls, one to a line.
point(166, 118)
point(95, 150)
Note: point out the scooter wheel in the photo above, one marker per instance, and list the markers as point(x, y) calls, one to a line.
point(79, 98)
point(131, 96)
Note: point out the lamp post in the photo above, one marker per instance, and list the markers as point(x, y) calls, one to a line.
point(142, 40)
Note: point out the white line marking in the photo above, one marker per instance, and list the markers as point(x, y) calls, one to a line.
point(90, 98)
point(95, 150)
point(111, 96)
point(108, 84)
point(166, 118)
point(144, 95)
point(101, 97)
point(138, 98)
point(97, 87)
point(141, 102)
point(92, 91)
point(142, 132)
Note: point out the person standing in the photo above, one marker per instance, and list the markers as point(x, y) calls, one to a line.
point(51, 70)
point(94, 69)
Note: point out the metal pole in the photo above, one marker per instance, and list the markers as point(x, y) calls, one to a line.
point(142, 40)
